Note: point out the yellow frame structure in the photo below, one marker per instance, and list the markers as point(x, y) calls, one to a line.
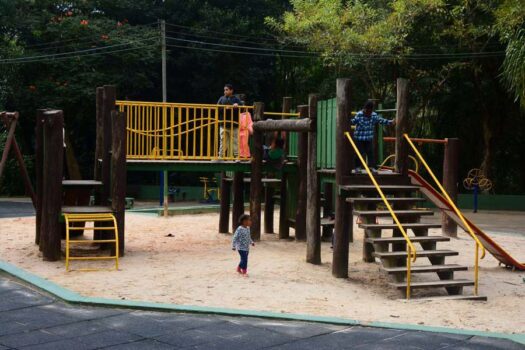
point(411, 250)
point(84, 218)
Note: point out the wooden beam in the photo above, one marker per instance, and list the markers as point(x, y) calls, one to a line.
point(313, 207)
point(53, 156)
point(450, 182)
point(344, 157)
point(302, 173)
point(238, 198)
point(401, 147)
point(256, 186)
point(224, 216)
point(328, 208)
point(11, 126)
point(109, 99)
point(287, 107)
point(118, 174)
point(301, 125)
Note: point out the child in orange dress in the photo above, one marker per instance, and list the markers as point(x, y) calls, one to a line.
point(245, 130)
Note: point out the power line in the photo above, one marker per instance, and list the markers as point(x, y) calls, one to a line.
point(237, 52)
point(76, 52)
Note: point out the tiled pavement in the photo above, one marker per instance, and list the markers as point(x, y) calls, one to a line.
point(31, 320)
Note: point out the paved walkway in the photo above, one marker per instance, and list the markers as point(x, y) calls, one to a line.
point(31, 320)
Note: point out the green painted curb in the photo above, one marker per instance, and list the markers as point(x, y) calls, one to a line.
point(75, 298)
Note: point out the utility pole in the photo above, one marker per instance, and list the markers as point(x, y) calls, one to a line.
point(164, 176)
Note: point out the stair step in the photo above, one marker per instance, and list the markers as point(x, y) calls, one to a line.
point(455, 297)
point(94, 209)
point(393, 226)
point(412, 212)
point(390, 200)
point(426, 268)
point(419, 254)
point(384, 188)
point(435, 284)
point(420, 239)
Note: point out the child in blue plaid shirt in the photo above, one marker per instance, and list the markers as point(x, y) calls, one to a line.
point(365, 121)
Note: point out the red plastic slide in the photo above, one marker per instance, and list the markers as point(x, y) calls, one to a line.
point(489, 244)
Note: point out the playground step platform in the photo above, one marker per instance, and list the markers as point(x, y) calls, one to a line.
point(420, 239)
point(394, 226)
point(374, 200)
point(419, 254)
point(426, 268)
point(455, 297)
point(95, 209)
point(435, 284)
point(384, 188)
point(413, 212)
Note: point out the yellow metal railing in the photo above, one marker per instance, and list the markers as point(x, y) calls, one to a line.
point(183, 131)
point(456, 210)
point(411, 250)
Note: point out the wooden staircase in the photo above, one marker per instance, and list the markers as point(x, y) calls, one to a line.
point(383, 240)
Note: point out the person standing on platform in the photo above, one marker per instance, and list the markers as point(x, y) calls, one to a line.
point(228, 121)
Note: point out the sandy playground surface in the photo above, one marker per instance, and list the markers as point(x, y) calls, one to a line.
point(196, 267)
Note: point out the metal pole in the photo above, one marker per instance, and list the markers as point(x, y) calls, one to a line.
point(164, 99)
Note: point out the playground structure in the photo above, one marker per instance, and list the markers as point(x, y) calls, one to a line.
point(150, 136)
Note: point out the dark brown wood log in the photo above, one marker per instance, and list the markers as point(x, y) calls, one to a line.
point(328, 209)
point(301, 125)
point(53, 156)
point(39, 170)
point(268, 209)
point(99, 138)
point(118, 174)
point(238, 198)
point(450, 182)
point(401, 147)
point(313, 203)
point(10, 124)
point(284, 224)
point(256, 186)
point(302, 173)
point(225, 191)
point(344, 163)
point(287, 107)
point(109, 99)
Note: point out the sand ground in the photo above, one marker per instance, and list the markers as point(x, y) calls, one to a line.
point(196, 267)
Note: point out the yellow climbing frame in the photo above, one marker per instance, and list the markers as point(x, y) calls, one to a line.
point(111, 225)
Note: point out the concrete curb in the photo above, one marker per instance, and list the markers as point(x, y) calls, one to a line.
point(75, 298)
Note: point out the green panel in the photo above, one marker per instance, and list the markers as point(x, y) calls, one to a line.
point(326, 125)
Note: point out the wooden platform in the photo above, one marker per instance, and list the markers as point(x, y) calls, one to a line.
point(200, 165)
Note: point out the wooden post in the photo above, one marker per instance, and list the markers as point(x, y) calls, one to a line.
point(401, 161)
point(328, 208)
point(284, 225)
point(344, 164)
point(224, 217)
point(268, 208)
point(39, 170)
point(450, 182)
point(313, 208)
point(238, 198)
point(109, 98)
point(302, 172)
point(118, 174)
point(256, 180)
point(53, 156)
point(11, 125)
point(99, 140)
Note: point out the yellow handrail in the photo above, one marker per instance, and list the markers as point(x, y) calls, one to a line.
point(411, 250)
point(393, 155)
point(456, 210)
